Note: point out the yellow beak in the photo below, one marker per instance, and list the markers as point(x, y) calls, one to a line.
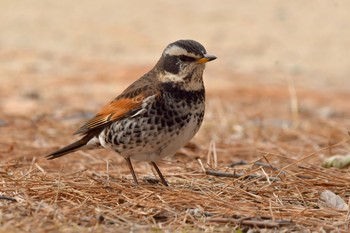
point(206, 58)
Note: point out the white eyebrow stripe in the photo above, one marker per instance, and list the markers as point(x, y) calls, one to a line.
point(175, 50)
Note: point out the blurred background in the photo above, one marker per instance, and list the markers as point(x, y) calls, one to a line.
point(278, 92)
point(64, 56)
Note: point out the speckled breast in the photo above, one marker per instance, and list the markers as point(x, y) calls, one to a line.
point(169, 122)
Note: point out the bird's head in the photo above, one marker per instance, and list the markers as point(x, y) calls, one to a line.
point(183, 63)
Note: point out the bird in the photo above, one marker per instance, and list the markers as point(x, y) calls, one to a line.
point(156, 115)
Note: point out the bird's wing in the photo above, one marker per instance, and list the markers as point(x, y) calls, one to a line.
point(120, 108)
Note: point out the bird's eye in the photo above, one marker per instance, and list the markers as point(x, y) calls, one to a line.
point(184, 58)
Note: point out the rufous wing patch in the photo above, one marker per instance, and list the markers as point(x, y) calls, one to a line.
point(113, 111)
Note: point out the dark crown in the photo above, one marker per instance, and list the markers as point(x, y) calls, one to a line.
point(190, 46)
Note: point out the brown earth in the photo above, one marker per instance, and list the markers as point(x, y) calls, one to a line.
point(277, 94)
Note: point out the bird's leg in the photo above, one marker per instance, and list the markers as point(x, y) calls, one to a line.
point(128, 161)
point(159, 174)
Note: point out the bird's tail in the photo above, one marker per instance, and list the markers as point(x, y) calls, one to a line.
point(69, 149)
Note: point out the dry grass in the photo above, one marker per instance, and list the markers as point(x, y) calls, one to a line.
point(276, 189)
point(61, 60)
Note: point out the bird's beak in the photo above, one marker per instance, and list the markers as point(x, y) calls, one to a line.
point(206, 58)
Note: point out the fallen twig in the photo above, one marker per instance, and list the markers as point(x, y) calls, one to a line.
point(7, 198)
point(238, 175)
point(251, 222)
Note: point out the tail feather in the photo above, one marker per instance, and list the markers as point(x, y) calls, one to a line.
point(69, 149)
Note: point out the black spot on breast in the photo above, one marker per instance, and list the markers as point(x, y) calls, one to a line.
point(159, 111)
point(170, 123)
point(136, 126)
point(170, 113)
point(115, 140)
point(178, 120)
point(138, 140)
point(137, 132)
point(163, 122)
point(108, 135)
point(157, 104)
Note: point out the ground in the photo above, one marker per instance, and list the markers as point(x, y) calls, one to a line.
point(277, 107)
